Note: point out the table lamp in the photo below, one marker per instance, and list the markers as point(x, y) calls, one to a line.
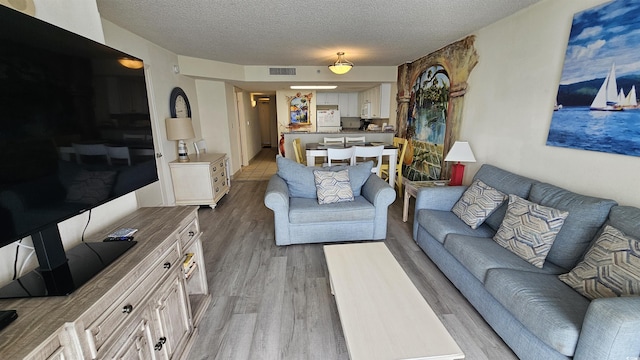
point(460, 151)
point(180, 129)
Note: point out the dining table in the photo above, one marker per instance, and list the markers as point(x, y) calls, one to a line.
point(314, 150)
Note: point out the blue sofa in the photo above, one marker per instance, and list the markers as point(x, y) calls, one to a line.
point(300, 219)
point(537, 315)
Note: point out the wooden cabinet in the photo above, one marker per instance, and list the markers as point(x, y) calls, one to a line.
point(137, 342)
point(170, 312)
point(380, 99)
point(140, 307)
point(204, 180)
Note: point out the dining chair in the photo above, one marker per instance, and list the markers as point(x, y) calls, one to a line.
point(367, 152)
point(339, 140)
point(94, 153)
point(401, 144)
point(342, 156)
point(118, 153)
point(66, 153)
point(354, 139)
point(142, 155)
point(200, 146)
point(133, 137)
point(297, 149)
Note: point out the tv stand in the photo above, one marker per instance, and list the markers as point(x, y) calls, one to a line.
point(84, 261)
point(142, 301)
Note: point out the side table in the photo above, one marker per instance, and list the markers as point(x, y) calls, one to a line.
point(411, 189)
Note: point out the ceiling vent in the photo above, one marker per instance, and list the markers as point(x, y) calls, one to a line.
point(282, 71)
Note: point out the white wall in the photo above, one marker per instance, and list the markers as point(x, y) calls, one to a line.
point(508, 106)
point(78, 16)
point(213, 115)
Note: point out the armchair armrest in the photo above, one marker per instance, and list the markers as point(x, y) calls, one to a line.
point(611, 330)
point(276, 197)
point(378, 192)
point(438, 198)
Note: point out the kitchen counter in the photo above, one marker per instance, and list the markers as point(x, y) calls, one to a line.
point(317, 137)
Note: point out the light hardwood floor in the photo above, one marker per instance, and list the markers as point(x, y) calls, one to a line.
point(273, 302)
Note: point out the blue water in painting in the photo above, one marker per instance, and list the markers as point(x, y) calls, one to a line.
point(615, 132)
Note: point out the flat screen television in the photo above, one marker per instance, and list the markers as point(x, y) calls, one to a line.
point(75, 133)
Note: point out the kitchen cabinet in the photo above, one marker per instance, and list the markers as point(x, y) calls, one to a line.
point(140, 307)
point(204, 180)
point(380, 99)
point(327, 98)
point(348, 104)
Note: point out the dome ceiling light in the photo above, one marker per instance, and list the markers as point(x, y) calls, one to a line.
point(131, 63)
point(341, 66)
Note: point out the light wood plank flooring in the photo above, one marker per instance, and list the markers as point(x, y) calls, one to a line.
point(274, 302)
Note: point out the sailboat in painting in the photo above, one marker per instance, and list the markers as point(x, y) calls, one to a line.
point(607, 97)
point(631, 100)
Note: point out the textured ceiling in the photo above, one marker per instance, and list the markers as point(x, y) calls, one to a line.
point(303, 32)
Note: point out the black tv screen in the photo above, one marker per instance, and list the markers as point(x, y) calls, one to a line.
point(75, 130)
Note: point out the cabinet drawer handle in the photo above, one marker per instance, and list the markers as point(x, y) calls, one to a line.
point(167, 265)
point(215, 169)
point(159, 344)
point(127, 309)
point(215, 179)
point(192, 233)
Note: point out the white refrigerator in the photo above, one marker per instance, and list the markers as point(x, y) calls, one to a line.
point(328, 121)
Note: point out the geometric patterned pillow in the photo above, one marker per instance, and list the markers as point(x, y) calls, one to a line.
point(610, 268)
point(528, 229)
point(333, 186)
point(477, 203)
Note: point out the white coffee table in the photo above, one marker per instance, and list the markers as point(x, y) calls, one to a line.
point(383, 315)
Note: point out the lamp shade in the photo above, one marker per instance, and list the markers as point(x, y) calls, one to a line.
point(179, 129)
point(460, 151)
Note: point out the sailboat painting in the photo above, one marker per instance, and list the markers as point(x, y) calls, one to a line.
point(596, 107)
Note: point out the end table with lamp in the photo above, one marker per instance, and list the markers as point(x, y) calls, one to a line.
point(460, 152)
point(411, 189)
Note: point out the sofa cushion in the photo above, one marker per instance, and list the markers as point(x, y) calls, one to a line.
point(610, 268)
point(479, 255)
point(547, 307)
point(625, 219)
point(441, 223)
point(91, 187)
point(586, 215)
point(477, 203)
point(506, 182)
point(304, 210)
point(301, 182)
point(333, 186)
point(529, 230)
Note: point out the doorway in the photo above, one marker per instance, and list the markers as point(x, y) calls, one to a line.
point(264, 118)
